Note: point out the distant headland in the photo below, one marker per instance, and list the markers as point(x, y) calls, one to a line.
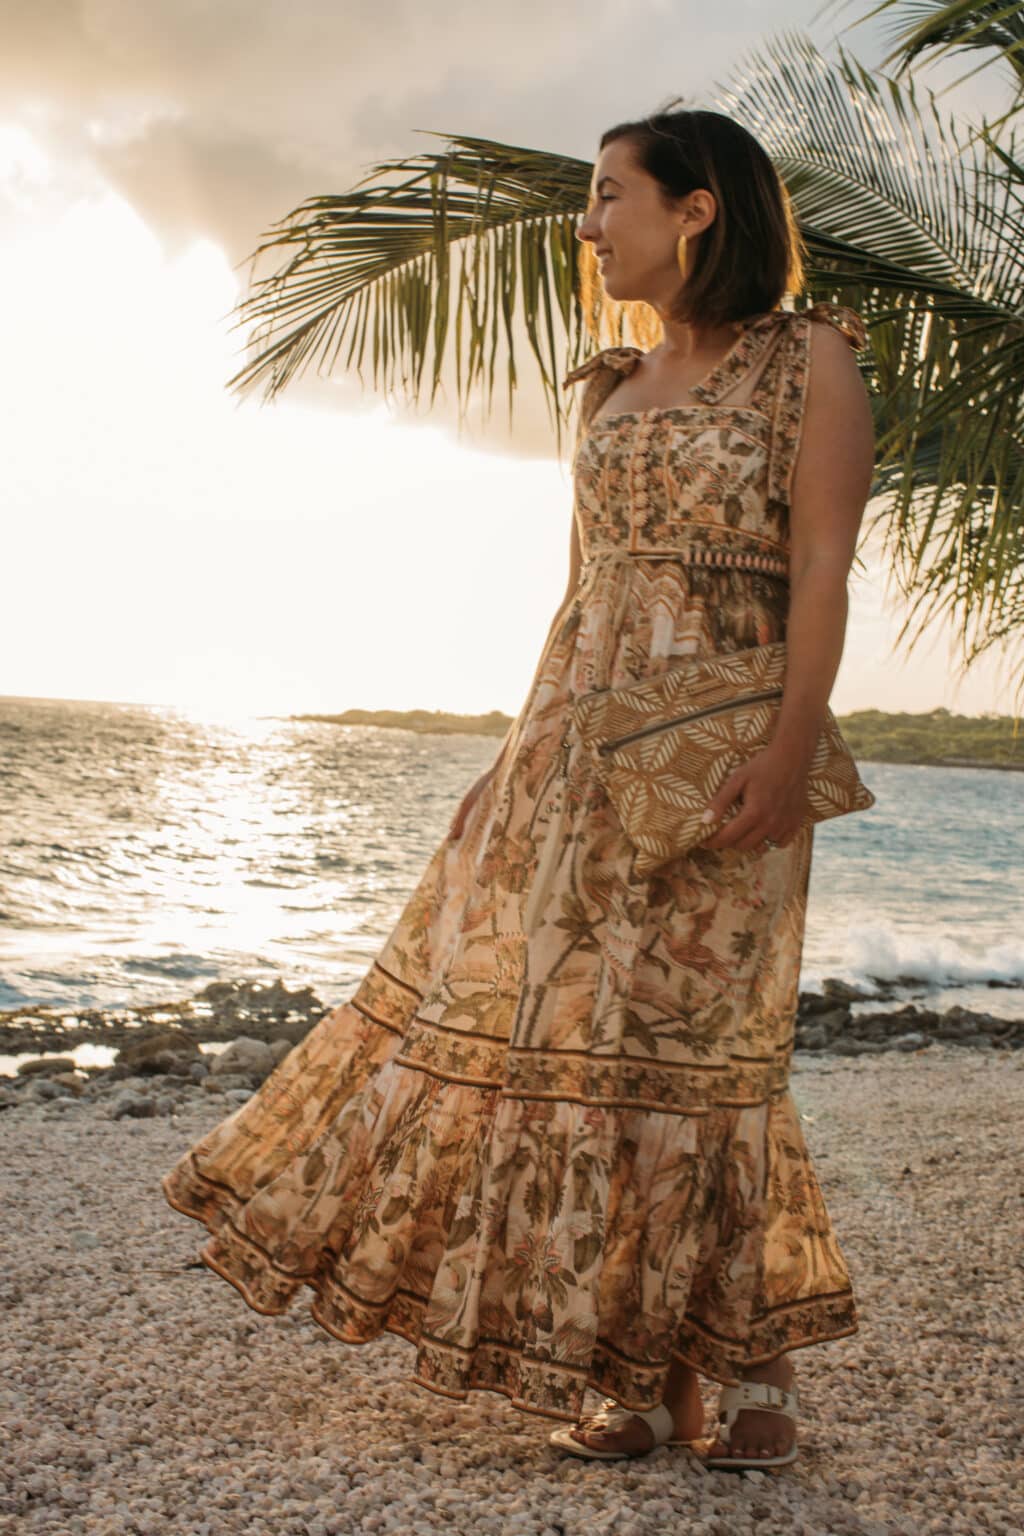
point(936, 739)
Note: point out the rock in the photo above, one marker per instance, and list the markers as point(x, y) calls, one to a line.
point(244, 1055)
point(915, 1041)
point(842, 991)
point(890, 1023)
point(134, 1105)
point(964, 1024)
point(835, 1022)
point(232, 1082)
point(811, 1003)
point(281, 1048)
point(219, 991)
point(48, 1065)
point(857, 1047)
point(69, 1080)
point(163, 1050)
point(46, 1088)
point(293, 1030)
point(812, 1039)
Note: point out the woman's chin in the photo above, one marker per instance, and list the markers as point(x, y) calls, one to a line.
point(618, 291)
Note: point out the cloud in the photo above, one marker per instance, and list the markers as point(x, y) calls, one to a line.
point(214, 121)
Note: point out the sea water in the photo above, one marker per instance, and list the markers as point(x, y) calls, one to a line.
point(145, 852)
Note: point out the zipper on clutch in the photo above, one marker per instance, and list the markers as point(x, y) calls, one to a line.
point(696, 714)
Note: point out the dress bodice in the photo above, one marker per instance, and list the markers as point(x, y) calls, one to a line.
point(707, 481)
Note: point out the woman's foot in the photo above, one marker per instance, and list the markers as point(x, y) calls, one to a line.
point(757, 1431)
point(682, 1399)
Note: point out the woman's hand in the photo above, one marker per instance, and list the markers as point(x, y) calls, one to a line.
point(773, 786)
point(468, 801)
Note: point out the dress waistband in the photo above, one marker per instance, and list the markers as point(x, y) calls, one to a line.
point(696, 554)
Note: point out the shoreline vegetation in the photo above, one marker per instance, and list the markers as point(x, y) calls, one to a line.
point(934, 739)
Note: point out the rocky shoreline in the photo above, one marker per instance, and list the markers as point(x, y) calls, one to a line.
point(160, 1065)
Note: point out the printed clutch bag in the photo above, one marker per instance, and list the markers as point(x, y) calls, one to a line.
point(663, 746)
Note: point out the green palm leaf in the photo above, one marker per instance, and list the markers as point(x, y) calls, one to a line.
point(912, 219)
point(938, 27)
point(918, 223)
point(469, 232)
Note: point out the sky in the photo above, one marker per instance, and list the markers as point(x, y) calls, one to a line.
point(167, 542)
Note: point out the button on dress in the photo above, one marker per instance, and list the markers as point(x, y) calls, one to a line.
point(549, 1139)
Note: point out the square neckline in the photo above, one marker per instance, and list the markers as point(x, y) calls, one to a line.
point(671, 410)
point(706, 384)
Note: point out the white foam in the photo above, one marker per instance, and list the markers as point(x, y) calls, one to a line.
point(875, 950)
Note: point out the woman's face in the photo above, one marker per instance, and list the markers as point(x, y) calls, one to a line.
point(634, 234)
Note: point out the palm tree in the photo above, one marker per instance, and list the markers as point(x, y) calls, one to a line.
point(955, 26)
point(914, 221)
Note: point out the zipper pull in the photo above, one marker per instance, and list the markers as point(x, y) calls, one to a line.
point(566, 750)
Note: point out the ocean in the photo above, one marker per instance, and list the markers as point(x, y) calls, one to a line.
point(146, 851)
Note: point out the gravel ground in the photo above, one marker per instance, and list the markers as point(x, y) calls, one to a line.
point(138, 1393)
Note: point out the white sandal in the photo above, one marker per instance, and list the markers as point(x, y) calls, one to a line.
point(753, 1394)
point(612, 1417)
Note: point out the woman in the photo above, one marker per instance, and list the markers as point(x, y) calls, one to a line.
point(550, 1139)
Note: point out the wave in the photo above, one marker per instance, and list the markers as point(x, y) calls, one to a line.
point(875, 953)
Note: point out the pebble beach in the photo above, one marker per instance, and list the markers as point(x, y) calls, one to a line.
point(139, 1394)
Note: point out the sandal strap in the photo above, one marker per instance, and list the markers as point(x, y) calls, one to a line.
point(661, 1422)
point(754, 1394)
point(613, 1416)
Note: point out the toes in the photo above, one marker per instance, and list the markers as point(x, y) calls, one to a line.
point(597, 1439)
point(582, 1435)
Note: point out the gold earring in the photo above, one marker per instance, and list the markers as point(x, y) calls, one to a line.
point(681, 255)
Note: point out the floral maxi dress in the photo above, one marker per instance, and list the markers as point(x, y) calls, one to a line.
point(549, 1139)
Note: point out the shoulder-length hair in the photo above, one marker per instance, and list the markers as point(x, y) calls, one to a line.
point(752, 255)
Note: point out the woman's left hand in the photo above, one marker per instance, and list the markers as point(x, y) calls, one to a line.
point(773, 786)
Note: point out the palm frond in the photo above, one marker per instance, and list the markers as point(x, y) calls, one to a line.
point(938, 27)
point(909, 217)
point(916, 222)
point(466, 239)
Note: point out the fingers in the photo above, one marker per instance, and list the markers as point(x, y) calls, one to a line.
point(747, 829)
point(723, 798)
point(746, 833)
point(752, 825)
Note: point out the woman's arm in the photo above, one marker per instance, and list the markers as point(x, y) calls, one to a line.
point(830, 488)
point(831, 485)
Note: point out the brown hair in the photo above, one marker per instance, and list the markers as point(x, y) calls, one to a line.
point(752, 255)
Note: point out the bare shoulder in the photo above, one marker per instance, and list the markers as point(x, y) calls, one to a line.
point(829, 342)
point(835, 462)
point(834, 379)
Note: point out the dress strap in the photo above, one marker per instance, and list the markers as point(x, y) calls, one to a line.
point(602, 372)
point(781, 389)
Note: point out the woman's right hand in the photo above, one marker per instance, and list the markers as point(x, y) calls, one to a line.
point(469, 800)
